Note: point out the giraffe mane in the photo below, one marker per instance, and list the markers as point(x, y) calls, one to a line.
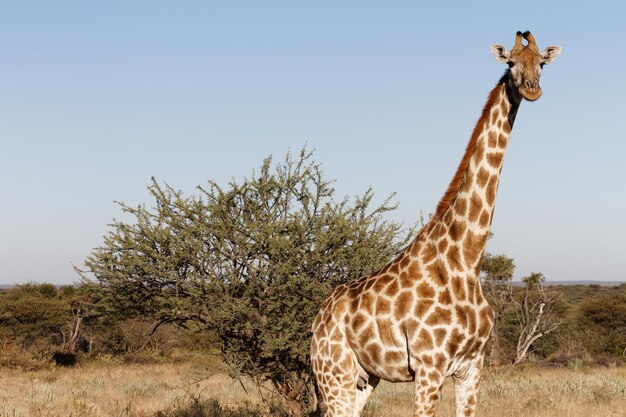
point(459, 176)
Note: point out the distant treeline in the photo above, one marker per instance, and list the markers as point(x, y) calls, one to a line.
point(40, 321)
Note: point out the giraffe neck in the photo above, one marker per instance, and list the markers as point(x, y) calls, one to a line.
point(459, 229)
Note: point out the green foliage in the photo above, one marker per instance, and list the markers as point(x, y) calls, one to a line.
point(251, 261)
point(31, 312)
point(497, 269)
point(607, 316)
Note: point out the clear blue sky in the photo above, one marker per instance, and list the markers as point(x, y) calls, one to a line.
point(96, 98)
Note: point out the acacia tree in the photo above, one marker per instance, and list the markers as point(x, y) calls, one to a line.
point(497, 277)
point(534, 315)
point(251, 261)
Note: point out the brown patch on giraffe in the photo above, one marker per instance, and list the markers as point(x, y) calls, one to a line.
point(460, 174)
point(460, 206)
point(385, 332)
point(392, 288)
point(374, 351)
point(482, 177)
point(358, 321)
point(435, 272)
point(439, 316)
point(394, 269)
point(405, 261)
point(424, 290)
point(504, 107)
point(367, 334)
point(479, 152)
point(440, 336)
point(392, 356)
point(495, 159)
point(492, 187)
point(502, 141)
point(472, 349)
point(457, 228)
point(471, 320)
point(484, 219)
point(354, 305)
point(461, 316)
point(473, 247)
point(458, 288)
point(336, 355)
point(495, 115)
point(368, 284)
point(506, 126)
point(414, 270)
point(381, 282)
point(442, 245)
point(440, 361)
point(422, 306)
point(336, 335)
point(403, 304)
point(427, 360)
point(493, 139)
point(415, 248)
point(403, 278)
point(447, 218)
point(476, 205)
point(383, 306)
point(424, 341)
point(444, 297)
point(410, 325)
point(454, 258)
point(485, 318)
point(455, 342)
point(471, 291)
point(436, 231)
point(367, 303)
point(428, 253)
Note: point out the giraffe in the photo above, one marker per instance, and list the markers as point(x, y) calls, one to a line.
point(423, 317)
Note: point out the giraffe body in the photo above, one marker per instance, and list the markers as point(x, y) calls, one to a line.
point(423, 317)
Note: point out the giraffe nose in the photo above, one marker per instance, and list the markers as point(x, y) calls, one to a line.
point(531, 84)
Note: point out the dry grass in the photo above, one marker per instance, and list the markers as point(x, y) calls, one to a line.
point(114, 389)
point(598, 392)
point(140, 390)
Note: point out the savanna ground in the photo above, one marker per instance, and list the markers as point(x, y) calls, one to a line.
point(159, 389)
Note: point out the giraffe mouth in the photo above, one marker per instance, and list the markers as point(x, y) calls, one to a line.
point(530, 94)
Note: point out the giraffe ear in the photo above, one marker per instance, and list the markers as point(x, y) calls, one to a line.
point(550, 53)
point(501, 54)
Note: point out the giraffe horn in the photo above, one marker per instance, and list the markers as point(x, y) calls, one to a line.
point(529, 37)
point(518, 38)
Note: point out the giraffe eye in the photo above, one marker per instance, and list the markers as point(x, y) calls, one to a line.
point(542, 64)
point(510, 64)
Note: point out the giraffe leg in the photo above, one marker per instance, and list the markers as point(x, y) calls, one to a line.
point(428, 385)
point(363, 393)
point(466, 390)
point(337, 371)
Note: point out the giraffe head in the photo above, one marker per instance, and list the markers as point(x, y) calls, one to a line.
point(525, 63)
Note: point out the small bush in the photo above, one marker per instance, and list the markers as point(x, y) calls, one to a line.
point(212, 408)
point(64, 358)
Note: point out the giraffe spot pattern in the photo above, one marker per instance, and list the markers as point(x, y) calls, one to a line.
point(457, 228)
point(439, 316)
point(429, 297)
point(476, 205)
point(482, 177)
point(460, 207)
point(495, 159)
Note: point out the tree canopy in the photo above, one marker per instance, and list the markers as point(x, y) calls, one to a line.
point(251, 261)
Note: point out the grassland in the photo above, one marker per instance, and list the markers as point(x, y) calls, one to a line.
point(116, 389)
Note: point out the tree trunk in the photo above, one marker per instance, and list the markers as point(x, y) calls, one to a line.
point(75, 332)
